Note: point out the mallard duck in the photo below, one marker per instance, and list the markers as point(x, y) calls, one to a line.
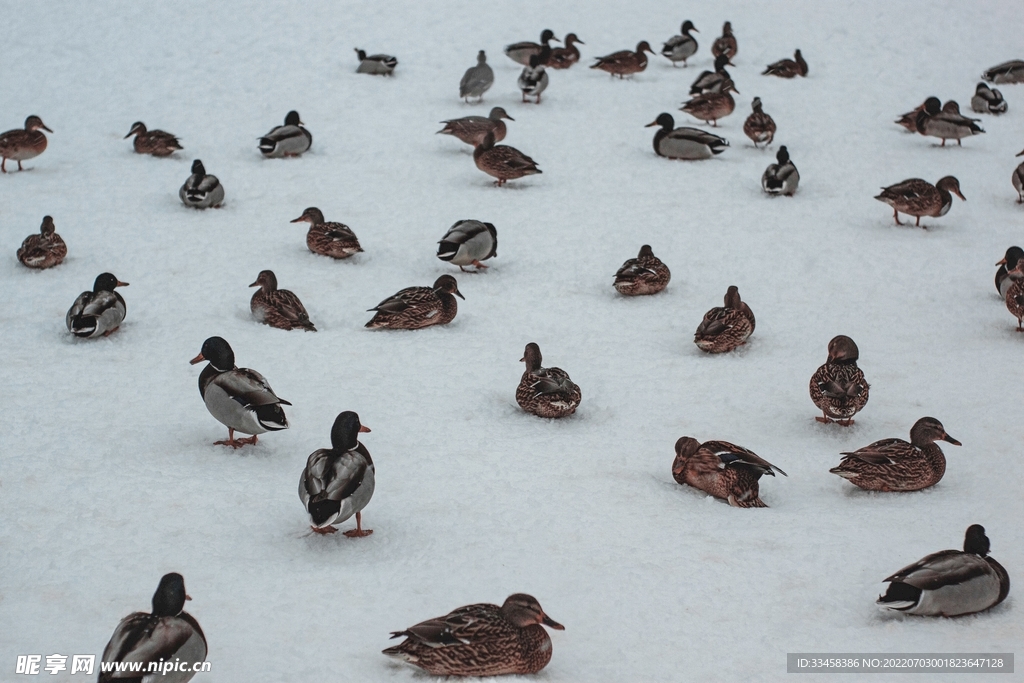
point(239, 398)
point(909, 120)
point(375, 65)
point(1009, 262)
point(895, 465)
point(1018, 180)
point(289, 140)
point(781, 177)
point(988, 100)
point(502, 162)
point(684, 143)
point(1007, 72)
point(278, 307)
point(99, 312)
point(157, 143)
point(534, 78)
point(477, 79)
point(472, 129)
point(337, 482)
point(724, 470)
point(480, 640)
point(468, 243)
point(44, 250)
point(917, 197)
point(682, 47)
point(564, 57)
point(521, 52)
point(645, 274)
point(201, 191)
point(946, 123)
point(712, 81)
point(949, 583)
point(414, 308)
point(759, 127)
point(23, 143)
point(725, 44)
point(725, 328)
point(168, 634)
point(711, 106)
point(545, 392)
point(328, 239)
point(838, 387)
point(1014, 297)
point(624, 62)
point(787, 68)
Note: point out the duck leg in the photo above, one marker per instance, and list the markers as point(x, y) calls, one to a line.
point(896, 216)
point(825, 420)
point(3, 165)
point(323, 531)
point(359, 531)
point(233, 442)
point(479, 265)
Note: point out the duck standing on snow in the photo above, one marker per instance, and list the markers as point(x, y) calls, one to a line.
point(946, 123)
point(1007, 72)
point(988, 100)
point(375, 65)
point(684, 143)
point(781, 177)
point(156, 143)
point(44, 250)
point(201, 191)
point(787, 68)
point(99, 312)
point(722, 469)
point(472, 129)
point(239, 398)
point(725, 328)
point(1009, 262)
point(468, 243)
point(712, 81)
point(502, 162)
point(167, 634)
point(682, 47)
point(895, 465)
point(949, 583)
point(480, 640)
point(289, 140)
point(759, 127)
point(643, 275)
point(564, 57)
point(624, 63)
point(23, 143)
point(838, 387)
point(534, 78)
point(545, 392)
point(278, 308)
point(521, 52)
point(414, 308)
point(917, 197)
point(725, 45)
point(326, 238)
point(477, 79)
point(1014, 297)
point(337, 482)
point(711, 106)
point(1018, 180)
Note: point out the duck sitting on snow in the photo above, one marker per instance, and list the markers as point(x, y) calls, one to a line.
point(711, 81)
point(1014, 297)
point(375, 65)
point(502, 162)
point(289, 140)
point(787, 68)
point(156, 143)
point(99, 312)
point(722, 469)
point(546, 392)
point(44, 250)
point(278, 308)
point(782, 176)
point(838, 387)
point(337, 482)
point(643, 275)
point(1018, 179)
point(918, 198)
point(201, 191)
point(326, 238)
point(1007, 72)
point(684, 143)
point(727, 327)
point(414, 308)
point(467, 243)
point(988, 100)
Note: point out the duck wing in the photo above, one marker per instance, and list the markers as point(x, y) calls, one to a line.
point(145, 638)
point(884, 452)
point(944, 568)
point(551, 381)
point(410, 297)
point(465, 625)
point(730, 455)
point(248, 387)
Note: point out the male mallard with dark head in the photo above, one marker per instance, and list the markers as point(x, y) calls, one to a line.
point(546, 392)
point(645, 274)
point(838, 387)
point(328, 238)
point(157, 143)
point(521, 52)
point(1007, 72)
point(534, 78)
point(99, 312)
point(23, 143)
point(44, 250)
point(289, 140)
point(782, 176)
point(725, 45)
point(917, 197)
point(684, 143)
point(564, 57)
point(712, 81)
point(375, 65)
point(624, 62)
point(946, 123)
point(988, 100)
point(711, 106)
point(727, 327)
point(337, 482)
point(502, 162)
point(759, 127)
point(278, 308)
point(472, 129)
point(201, 191)
point(468, 243)
point(787, 68)
point(414, 308)
point(477, 79)
point(722, 469)
point(1009, 262)
point(682, 47)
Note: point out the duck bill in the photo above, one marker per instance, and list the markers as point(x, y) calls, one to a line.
point(121, 284)
point(651, 124)
point(947, 437)
point(1001, 263)
point(1021, 154)
point(958, 194)
point(187, 596)
point(43, 126)
point(255, 284)
point(364, 429)
point(459, 294)
point(197, 359)
point(551, 623)
point(300, 219)
point(130, 133)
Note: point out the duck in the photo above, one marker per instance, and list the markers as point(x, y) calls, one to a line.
point(545, 392)
point(1014, 297)
point(278, 307)
point(759, 127)
point(787, 68)
point(681, 47)
point(711, 106)
point(502, 162)
point(726, 43)
point(643, 275)
point(44, 250)
point(1007, 72)
point(201, 191)
point(564, 57)
point(724, 470)
point(289, 140)
point(468, 243)
point(157, 143)
point(712, 81)
point(477, 79)
point(166, 634)
point(239, 398)
point(725, 328)
point(414, 308)
point(480, 640)
point(534, 78)
point(684, 143)
point(782, 176)
point(99, 312)
point(988, 100)
point(23, 143)
point(1018, 180)
point(909, 120)
point(338, 482)
point(946, 123)
point(375, 65)
point(1003, 279)
point(472, 129)
point(917, 197)
point(838, 387)
point(949, 583)
point(521, 52)
point(895, 465)
point(624, 63)
point(327, 238)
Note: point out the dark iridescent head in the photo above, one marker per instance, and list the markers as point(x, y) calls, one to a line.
point(1013, 255)
point(932, 106)
point(664, 120)
point(47, 227)
point(842, 349)
point(292, 119)
point(783, 155)
point(546, 35)
point(198, 168)
point(977, 90)
point(523, 610)
point(312, 215)
point(218, 353)
point(266, 280)
point(720, 62)
point(975, 540)
point(361, 54)
point(687, 27)
point(138, 128)
point(446, 283)
point(106, 282)
point(169, 598)
point(345, 432)
point(35, 123)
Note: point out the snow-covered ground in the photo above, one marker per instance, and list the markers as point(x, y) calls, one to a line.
point(108, 474)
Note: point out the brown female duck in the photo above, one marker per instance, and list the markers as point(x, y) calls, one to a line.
point(722, 469)
point(472, 129)
point(725, 328)
point(23, 143)
point(838, 387)
point(645, 274)
point(545, 392)
point(278, 308)
point(726, 43)
point(895, 465)
point(759, 127)
point(909, 120)
point(480, 640)
point(326, 238)
point(44, 250)
point(918, 198)
point(787, 68)
point(157, 143)
point(564, 57)
point(414, 308)
point(502, 162)
point(624, 62)
point(711, 106)
point(1014, 296)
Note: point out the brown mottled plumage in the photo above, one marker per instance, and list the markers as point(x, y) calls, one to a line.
point(414, 308)
point(564, 57)
point(918, 198)
point(711, 106)
point(909, 120)
point(838, 387)
point(23, 143)
point(787, 68)
point(326, 238)
point(473, 129)
point(1015, 293)
point(545, 392)
point(480, 640)
point(726, 43)
point(278, 307)
point(44, 250)
point(895, 465)
point(155, 142)
point(502, 162)
point(759, 127)
point(724, 470)
point(624, 62)
point(727, 327)
point(645, 274)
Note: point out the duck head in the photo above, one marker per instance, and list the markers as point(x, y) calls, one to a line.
point(643, 46)
point(481, 57)
point(756, 105)
point(47, 228)
point(645, 250)
point(686, 447)
point(198, 168)
point(532, 357)
point(572, 38)
point(546, 35)
point(732, 297)
point(312, 215)
point(928, 430)
point(523, 610)
point(106, 282)
point(721, 61)
point(687, 27)
point(487, 143)
point(950, 184)
point(35, 123)
point(170, 596)
point(932, 106)
point(361, 54)
point(1013, 255)
point(345, 432)
point(292, 119)
point(498, 113)
point(842, 349)
point(727, 28)
point(975, 540)
point(266, 280)
point(664, 120)
point(138, 128)
point(446, 283)
point(782, 156)
point(218, 352)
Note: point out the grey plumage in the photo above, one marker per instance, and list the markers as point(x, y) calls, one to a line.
point(289, 140)
point(375, 65)
point(682, 47)
point(468, 242)
point(988, 100)
point(201, 191)
point(477, 79)
point(782, 177)
point(98, 312)
point(534, 79)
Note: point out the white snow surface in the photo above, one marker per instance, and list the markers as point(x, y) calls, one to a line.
point(109, 475)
